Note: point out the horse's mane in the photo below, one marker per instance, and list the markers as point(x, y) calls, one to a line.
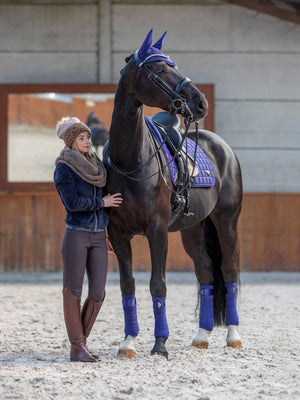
point(127, 59)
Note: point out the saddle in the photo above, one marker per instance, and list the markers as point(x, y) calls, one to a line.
point(163, 121)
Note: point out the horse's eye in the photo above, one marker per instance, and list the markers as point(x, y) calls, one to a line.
point(160, 70)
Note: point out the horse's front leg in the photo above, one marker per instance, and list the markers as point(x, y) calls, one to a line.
point(158, 242)
point(122, 248)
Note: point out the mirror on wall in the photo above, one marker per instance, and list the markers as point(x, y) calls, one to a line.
point(32, 141)
point(28, 117)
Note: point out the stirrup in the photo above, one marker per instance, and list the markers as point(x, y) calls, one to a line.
point(187, 213)
point(178, 203)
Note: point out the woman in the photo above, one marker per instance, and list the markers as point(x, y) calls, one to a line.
point(79, 178)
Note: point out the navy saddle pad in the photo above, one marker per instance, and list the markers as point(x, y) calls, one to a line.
point(205, 176)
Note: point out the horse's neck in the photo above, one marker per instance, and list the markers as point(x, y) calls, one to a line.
point(126, 137)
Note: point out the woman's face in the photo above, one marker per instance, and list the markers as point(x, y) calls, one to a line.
point(83, 142)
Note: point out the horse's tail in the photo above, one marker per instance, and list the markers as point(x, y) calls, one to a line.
point(213, 249)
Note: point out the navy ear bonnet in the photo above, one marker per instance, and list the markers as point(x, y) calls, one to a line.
point(148, 52)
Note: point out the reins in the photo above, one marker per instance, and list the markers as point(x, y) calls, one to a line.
point(128, 173)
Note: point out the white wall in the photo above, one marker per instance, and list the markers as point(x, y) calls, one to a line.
point(48, 43)
point(254, 62)
point(252, 59)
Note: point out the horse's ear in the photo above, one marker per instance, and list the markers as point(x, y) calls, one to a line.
point(160, 42)
point(147, 42)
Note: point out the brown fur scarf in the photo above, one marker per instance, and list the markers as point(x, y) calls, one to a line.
point(92, 171)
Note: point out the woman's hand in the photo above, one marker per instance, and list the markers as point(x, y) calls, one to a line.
point(113, 200)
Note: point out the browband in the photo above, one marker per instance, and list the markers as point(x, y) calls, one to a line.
point(141, 62)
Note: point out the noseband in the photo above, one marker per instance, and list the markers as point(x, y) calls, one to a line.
point(178, 103)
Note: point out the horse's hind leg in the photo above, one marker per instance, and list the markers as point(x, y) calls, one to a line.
point(122, 249)
point(193, 242)
point(226, 226)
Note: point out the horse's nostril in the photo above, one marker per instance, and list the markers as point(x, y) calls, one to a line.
point(201, 105)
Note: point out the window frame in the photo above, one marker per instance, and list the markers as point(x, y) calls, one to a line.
point(7, 89)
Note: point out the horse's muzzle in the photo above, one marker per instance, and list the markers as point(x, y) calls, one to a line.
point(201, 107)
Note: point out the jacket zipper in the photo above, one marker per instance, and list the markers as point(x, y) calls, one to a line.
point(95, 209)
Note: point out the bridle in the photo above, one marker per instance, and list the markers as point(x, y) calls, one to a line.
point(177, 105)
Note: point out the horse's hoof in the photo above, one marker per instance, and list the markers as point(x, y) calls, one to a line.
point(233, 337)
point(127, 348)
point(200, 340)
point(126, 353)
point(234, 345)
point(160, 348)
point(160, 353)
point(200, 345)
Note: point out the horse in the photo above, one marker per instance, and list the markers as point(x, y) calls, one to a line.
point(208, 231)
point(99, 133)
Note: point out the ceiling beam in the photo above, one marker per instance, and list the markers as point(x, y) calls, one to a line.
point(268, 8)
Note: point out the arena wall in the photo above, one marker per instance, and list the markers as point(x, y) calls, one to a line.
point(251, 59)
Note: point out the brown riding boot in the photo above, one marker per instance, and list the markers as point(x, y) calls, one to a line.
point(74, 328)
point(89, 313)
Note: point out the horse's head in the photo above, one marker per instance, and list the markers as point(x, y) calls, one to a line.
point(157, 82)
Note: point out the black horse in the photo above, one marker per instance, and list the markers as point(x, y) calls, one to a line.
point(208, 230)
point(99, 133)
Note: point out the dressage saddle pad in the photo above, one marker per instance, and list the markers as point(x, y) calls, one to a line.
point(203, 175)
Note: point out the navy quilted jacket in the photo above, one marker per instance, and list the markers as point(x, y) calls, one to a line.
point(83, 202)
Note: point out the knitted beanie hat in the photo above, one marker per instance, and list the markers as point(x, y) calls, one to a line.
point(69, 128)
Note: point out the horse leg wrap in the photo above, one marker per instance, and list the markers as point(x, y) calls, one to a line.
point(206, 320)
point(130, 315)
point(161, 325)
point(231, 311)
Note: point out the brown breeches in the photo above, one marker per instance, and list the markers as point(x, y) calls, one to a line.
point(84, 251)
